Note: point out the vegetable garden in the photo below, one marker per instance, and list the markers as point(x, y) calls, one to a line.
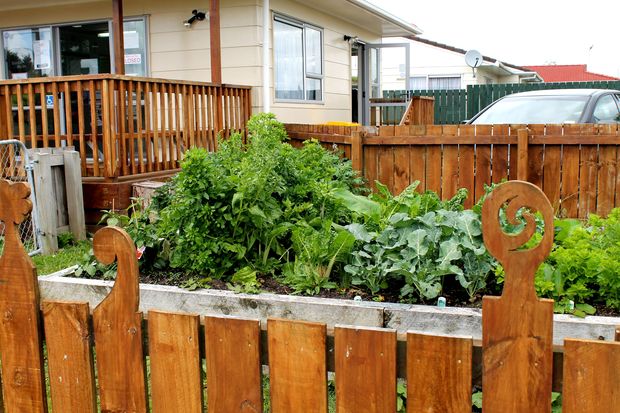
point(260, 213)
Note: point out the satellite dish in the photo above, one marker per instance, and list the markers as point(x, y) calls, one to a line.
point(473, 58)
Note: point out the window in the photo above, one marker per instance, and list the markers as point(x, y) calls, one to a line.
point(444, 83)
point(606, 110)
point(298, 60)
point(435, 82)
point(28, 53)
point(72, 49)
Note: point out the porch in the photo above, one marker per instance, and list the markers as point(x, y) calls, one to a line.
point(126, 129)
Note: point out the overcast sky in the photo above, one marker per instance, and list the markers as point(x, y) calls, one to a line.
point(522, 32)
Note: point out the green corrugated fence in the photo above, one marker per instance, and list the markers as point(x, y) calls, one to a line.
point(455, 106)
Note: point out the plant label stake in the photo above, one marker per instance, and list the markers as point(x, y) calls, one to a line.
point(517, 328)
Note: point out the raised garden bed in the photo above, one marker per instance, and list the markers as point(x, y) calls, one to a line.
point(401, 317)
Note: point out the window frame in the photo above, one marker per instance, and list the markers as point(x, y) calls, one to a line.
point(56, 69)
point(429, 77)
point(278, 17)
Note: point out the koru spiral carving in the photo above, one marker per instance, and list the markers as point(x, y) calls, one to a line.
point(516, 195)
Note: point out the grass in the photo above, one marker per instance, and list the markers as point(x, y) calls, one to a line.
point(65, 257)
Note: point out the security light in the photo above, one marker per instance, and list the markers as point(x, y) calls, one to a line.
point(196, 15)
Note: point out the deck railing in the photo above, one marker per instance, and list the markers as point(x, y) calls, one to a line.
point(121, 125)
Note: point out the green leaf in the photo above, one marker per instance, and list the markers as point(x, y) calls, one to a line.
point(358, 203)
point(448, 251)
point(476, 399)
point(360, 233)
point(416, 240)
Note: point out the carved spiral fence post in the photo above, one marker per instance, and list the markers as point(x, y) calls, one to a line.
point(20, 342)
point(517, 328)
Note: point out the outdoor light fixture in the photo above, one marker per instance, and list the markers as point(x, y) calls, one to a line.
point(196, 15)
point(352, 39)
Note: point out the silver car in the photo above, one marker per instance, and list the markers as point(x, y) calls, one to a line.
point(553, 106)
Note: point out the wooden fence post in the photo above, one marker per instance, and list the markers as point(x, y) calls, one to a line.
point(517, 328)
point(23, 376)
point(75, 197)
point(46, 200)
point(522, 161)
point(357, 152)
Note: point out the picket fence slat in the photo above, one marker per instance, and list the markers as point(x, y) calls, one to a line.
point(20, 343)
point(438, 374)
point(591, 376)
point(117, 325)
point(233, 365)
point(67, 337)
point(174, 349)
point(365, 370)
point(297, 366)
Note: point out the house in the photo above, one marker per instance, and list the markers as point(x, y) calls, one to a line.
point(296, 55)
point(436, 65)
point(568, 73)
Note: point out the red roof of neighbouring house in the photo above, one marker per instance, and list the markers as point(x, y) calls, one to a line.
point(568, 73)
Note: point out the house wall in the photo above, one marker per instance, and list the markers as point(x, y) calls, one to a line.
point(176, 52)
point(427, 60)
point(336, 105)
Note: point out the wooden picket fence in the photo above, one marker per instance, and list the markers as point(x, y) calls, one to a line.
point(575, 165)
point(516, 346)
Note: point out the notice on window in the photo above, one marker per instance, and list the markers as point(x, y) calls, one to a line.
point(17, 76)
point(133, 59)
point(42, 54)
point(131, 40)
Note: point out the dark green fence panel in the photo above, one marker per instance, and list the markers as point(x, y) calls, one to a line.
point(455, 106)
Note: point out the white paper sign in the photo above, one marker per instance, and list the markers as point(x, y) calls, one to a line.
point(19, 76)
point(131, 40)
point(42, 54)
point(133, 59)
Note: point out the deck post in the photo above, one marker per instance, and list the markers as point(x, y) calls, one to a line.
point(118, 37)
point(214, 36)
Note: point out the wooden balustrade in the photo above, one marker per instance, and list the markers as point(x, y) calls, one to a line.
point(121, 125)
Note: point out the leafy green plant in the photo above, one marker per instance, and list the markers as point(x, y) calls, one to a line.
point(237, 207)
point(317, 251)
point(416, 239)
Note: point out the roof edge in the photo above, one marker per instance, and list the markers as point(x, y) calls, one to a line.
point(411, 28)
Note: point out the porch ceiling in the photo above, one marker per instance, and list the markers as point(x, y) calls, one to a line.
point(366, 15)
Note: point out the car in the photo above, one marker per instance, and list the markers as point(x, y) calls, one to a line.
point(552, 106)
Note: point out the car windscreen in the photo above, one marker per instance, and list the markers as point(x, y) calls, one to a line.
point(534, 109)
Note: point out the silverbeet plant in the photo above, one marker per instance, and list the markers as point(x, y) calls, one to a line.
point(416, 240)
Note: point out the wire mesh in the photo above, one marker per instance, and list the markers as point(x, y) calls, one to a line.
point(15, 167)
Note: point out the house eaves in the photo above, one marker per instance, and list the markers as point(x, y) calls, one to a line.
point(491, 64)
point(365, 15)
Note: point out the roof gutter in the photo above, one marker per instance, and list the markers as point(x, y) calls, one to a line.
point(529, 76)
point(371, 8)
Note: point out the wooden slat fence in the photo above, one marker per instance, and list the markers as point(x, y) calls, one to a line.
point(575, 165)
point(517, 361)
point(121, 125)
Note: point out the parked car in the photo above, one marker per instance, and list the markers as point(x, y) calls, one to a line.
point(553, 106)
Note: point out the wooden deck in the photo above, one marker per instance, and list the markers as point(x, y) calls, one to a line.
point(125, 128)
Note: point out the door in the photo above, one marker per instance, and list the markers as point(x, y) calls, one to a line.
point(386, 68)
